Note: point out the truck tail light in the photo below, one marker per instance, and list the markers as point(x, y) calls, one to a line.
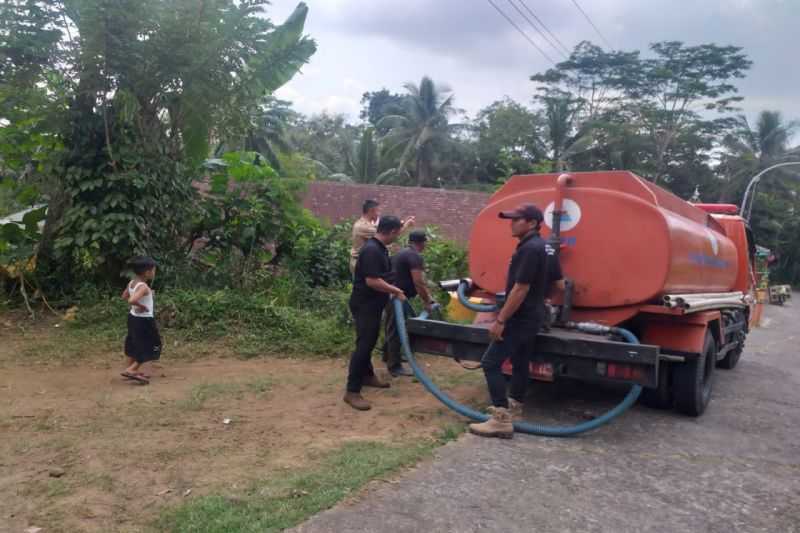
point(620, 371)
point(538, 371)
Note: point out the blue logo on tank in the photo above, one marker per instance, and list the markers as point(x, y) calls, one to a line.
point(708, 260)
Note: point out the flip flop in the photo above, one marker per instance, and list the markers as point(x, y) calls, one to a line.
point(135, 377)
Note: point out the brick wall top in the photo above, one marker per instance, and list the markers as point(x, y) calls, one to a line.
point(452, 211)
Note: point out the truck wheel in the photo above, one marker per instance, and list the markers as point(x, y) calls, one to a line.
point(731, 358)
point(661, 396)
point(692, 380)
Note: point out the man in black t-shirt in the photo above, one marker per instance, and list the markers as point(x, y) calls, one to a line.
point(408, 267)
point(372, 288)
point(514, 331)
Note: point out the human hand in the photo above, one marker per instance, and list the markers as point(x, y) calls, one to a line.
point(400, 295)
point(496, 331)
point(409, 222)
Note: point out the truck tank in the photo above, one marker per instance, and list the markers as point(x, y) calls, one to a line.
point(625, 241)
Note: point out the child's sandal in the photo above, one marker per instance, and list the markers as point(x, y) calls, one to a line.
point(135, 377)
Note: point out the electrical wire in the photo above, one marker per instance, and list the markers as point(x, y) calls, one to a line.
point(523, 15)
point(589, 20)
point(510, 21)
point(553, 35)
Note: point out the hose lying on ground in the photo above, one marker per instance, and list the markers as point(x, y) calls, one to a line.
point(522, 427)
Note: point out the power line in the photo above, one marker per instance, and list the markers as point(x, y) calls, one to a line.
point(589, 20)
point(535, 27)
point(545, 27)
point(521, 32)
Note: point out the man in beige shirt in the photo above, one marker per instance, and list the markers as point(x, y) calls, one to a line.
point(365, 227)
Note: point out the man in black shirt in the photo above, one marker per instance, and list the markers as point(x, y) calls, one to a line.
point(372, 288)
point(408, 267)
point(514, 331)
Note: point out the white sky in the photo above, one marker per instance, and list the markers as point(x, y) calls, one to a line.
point(366, 45)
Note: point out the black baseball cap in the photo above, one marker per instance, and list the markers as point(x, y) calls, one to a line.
point(526, 211)
point(417, 236)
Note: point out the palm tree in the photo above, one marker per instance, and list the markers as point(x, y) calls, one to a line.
point(267, 134)
point(751, 149)
point(363, 159)
point(421, 129)
point(565, 138)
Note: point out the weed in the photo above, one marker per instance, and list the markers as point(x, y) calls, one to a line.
point(450, 432)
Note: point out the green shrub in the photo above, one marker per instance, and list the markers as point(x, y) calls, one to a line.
point(288, 321)
point(321, 254)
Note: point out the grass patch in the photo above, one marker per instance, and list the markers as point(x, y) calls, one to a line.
point(280, 503)
point(200, 394)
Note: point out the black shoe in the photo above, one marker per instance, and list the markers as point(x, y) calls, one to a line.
point(400, 370)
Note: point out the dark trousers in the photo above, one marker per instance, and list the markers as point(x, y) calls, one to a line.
point(368, 326)
point(392, 348)
point(519, 341)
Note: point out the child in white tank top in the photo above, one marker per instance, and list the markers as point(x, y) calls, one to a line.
point(143, 342)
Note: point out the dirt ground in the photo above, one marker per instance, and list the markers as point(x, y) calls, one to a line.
point(84, 450)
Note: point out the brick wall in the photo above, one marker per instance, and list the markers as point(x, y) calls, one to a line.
point(452, 211)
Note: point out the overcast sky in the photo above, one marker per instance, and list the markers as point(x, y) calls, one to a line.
point(369, 44)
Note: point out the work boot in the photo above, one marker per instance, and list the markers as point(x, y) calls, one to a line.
point(500, 425)
point(375, 381)
point(356, 401)
point(515, 408)
point(400, 370)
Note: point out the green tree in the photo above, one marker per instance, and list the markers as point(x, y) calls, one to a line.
point(590, 77)
point(378, 104)
point(268, 132)
point(147, 84)
point(667, 92)
point(421, 129)
point(748, 149)
point(565, 135)
point(508, 139)
point(326, 140)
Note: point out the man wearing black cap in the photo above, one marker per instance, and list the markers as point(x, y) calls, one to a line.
point(518, 321)
point(409, 274)
point(372, 288)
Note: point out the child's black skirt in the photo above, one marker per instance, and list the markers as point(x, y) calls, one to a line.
point(143, 342)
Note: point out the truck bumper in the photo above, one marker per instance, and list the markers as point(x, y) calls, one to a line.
point(559, 352)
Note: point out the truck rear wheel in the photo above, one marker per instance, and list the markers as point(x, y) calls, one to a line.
point(661, 396)
point(692, 380)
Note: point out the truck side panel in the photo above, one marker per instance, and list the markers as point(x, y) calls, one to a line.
point(683, 334)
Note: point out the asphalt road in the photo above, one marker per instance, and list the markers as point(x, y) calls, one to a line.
point(737, 468)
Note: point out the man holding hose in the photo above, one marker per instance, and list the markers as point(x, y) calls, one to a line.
point(373, 285)
point(518, 321)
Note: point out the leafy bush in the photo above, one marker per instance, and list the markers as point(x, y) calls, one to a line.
point(248, 210)
point(283, 320)
point(444, 259)
point(321, 254)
